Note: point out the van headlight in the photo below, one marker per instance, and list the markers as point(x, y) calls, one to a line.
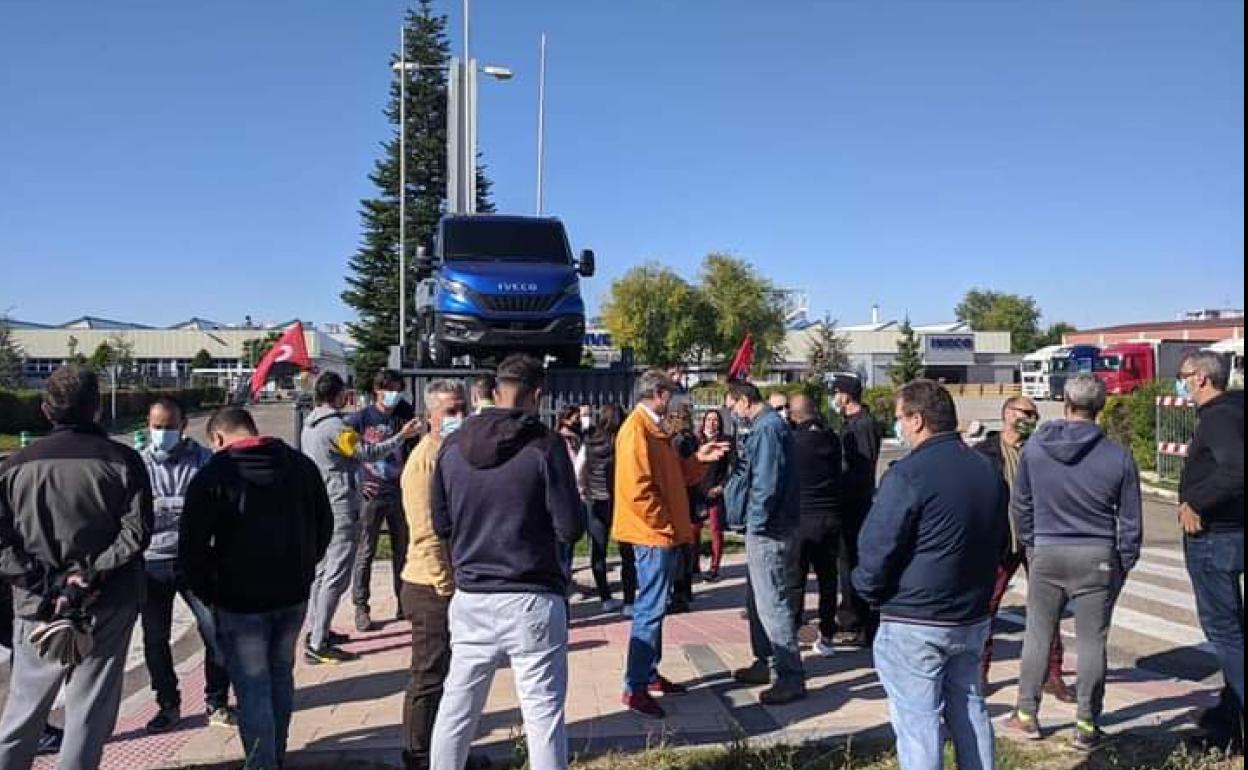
point(454, 288)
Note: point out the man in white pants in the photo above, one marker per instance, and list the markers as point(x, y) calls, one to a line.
point(504, 495)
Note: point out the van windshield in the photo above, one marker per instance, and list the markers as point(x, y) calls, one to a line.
point(1109, 363)
point(485, 239)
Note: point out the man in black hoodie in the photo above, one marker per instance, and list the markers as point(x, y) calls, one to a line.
point(504, 495)
point(1077, 504)
point(256, 521)
point(1211, 512)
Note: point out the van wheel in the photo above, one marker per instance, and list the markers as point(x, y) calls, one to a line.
point(439, 355)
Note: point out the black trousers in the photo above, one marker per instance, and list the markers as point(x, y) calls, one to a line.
point(384, 509)
point(819, 548)
point(628, 572)
point(431, 660)
point(157, 619)
point(599, 529)
point(853, 615)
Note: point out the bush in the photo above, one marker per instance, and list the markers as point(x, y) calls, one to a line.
point(880, 400)
point(19, 410)
point(1132, 422)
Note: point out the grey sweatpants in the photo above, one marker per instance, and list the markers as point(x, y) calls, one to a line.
point(1088, 576)
point(529, 631)
point(333, 576)
point(92, 694)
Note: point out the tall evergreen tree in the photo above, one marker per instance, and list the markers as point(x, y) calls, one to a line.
point(373, 277)
point(11, 357)
point(908, 365)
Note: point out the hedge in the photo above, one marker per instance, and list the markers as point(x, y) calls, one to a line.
point(19, 410)
point(1132, 422)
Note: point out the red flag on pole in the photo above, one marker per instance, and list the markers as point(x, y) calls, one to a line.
point(743, 361)
point(289, 353)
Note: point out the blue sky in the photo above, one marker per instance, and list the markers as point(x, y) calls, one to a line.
point(160, 160)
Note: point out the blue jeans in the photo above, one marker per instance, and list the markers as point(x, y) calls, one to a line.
point(932, 677)
point(656, 567)
point(1215, 562)
point(260, 654)
point(771, 603)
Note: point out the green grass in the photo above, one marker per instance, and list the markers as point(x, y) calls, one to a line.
point(9, 442)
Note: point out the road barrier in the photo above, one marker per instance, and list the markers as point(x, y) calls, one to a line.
point(1176, 425)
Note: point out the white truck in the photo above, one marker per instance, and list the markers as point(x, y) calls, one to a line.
point(1233, 349)
point(1037, 372)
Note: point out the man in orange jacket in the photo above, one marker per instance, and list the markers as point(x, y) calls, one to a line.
point(652, 515)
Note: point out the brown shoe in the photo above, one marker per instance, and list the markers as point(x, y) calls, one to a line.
point(1059, 690)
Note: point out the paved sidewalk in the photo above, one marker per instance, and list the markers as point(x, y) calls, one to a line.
point(354, 710)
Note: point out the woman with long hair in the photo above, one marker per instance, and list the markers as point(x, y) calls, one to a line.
point(712, 491)
point(597, 477)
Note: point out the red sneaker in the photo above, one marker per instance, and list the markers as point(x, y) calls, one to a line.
point(661, 685)
point(643, 705)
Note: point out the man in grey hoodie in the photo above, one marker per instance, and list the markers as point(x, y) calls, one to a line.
point(337, 449)
point(1077, 504)
point(172, 460)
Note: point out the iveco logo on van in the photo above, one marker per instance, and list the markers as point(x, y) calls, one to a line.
point(513, 286)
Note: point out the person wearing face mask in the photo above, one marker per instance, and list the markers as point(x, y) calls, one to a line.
point(1019, 418)
point(172, 460)
point(377, 423)
point(427, 582)
point(860, 455)
point(928, 556)
point(338, 450)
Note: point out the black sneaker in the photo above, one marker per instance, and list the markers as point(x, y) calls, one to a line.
point(756, 674)
point(165, 720)
point(1088, 736)
point(782, 693)
point(363, 622)
point(50, 741)
point(329, 655)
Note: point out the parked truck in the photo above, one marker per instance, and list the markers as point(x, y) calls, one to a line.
point(496, 284)
point(1233, 350)
point(1068, 361)
point(1124, 367)
point(1037, 370)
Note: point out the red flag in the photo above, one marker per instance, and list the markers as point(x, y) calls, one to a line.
point(290, 352)
point(743, 361)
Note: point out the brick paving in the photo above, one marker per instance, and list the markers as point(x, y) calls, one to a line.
point(354, 710)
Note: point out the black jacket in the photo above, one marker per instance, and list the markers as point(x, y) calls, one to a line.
point(930, 546)
point(504, 494)
point(1213, 477)
point(717, 473)
point(860, 442)
point(74, 501)
point(257, 521)
point(990, 447)
point(819, 470)
point(599, 468)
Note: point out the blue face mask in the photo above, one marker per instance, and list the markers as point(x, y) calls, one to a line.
point(1181, 390)
point(390, 398)
point(165, 440)
point(450, 425)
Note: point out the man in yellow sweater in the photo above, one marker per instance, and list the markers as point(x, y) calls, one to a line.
point(652, 515)
point(427, 583)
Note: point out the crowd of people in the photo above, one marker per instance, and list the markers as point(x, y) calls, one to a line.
point(485, 503)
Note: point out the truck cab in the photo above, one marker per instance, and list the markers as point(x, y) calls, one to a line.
point(1069, 361)
point(500, 284)
point(1037, 369)
point(1125, 366)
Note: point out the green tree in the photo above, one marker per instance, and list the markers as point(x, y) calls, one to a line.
point(1053, 335)
point(255, 348)
point(740, 302)
point(373, 275)
point(908, 365)
point(74, 355)
point(657, 313)
point(102, 357)
point(11, 357)
point(201, 360)
point(994, 311)
point(829, 351)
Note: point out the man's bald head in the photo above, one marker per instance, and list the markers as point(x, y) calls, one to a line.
point(802, 408)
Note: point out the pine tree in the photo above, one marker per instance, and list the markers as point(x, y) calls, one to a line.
point(908, 365)
point(829, 351)
point(373, 280)
point(10, 358)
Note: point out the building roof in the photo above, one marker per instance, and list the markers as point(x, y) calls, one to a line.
point(105, 324)
point(201, 324)
point(13, 323)
point(1162, 326)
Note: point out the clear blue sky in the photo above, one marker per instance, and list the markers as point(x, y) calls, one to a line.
point(160, 160)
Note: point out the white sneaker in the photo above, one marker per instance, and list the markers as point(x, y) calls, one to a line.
point(612, 605)
point(627, 610)
point(824, 648)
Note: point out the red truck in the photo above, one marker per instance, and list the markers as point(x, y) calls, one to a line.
point(1127, 366)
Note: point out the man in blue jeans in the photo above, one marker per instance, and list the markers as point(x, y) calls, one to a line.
point(928, 555)
point(1211, 512)
point(762, 498)
point(256, 522)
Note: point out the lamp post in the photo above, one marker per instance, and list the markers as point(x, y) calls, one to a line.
point(541, 123)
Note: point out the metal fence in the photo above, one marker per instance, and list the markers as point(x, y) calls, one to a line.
point(1176, 424)
point(564, 387)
